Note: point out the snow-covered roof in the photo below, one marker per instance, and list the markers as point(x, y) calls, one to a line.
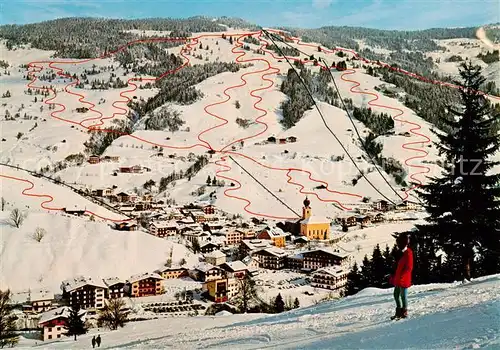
point(315, 219)
point(329, 251)
point(125, 224)
point(187, 220)
point(127, 208)
point(197, 233)
point(332, 271)
point(142, 276)
point(302, 238)
point(248, 261)
point(346, 215)
point(172, 211)
point(165, 224)
point(204, 267)
point(63, 311)
point(218, 239)
point(80, 281)
point(211, 242)
point(253, 244)
point(170, 268)
point(127, 193)
point(215, 254)
point(275, 232)
point(296, 256)
point(236, 265)
point(214, 223)
point(31, 295)
point(111, 281)
point(274, 251)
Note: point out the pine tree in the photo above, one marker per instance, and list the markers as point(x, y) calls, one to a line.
point(296, 303)
point(353, 281)
point(426, 265)
point(279, 304)
point(8, 336)
point(366, 273)
point(378, 268)
point(390, 260)
point(464, 203)
point(76, 326)
point(113, 315)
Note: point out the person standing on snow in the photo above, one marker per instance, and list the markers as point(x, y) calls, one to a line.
point(98, 340)
point(401, 279)
point(93, 342)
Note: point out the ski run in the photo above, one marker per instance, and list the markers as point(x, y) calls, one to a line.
point(455, 315)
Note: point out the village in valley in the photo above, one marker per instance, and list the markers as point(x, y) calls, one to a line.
point(305, 261)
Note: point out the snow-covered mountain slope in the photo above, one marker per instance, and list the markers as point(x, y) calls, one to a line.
point(467, 49)
point(455, 315)
point(76, 246)
point(311, 157)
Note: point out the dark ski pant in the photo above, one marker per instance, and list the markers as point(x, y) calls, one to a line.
point(401, 297)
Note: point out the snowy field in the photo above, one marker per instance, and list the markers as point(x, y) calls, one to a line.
point(467, 49)
point(451, 316)
point(290, 285)
point(76, 246)
point(358, 243)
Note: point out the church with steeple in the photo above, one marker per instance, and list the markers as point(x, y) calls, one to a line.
point(313, 226)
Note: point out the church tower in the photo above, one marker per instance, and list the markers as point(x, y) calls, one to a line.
point(306, 210)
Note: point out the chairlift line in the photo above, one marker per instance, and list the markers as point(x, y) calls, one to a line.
point(357, 131)
point(328, 68)
point(323, 118)
point(264, 186)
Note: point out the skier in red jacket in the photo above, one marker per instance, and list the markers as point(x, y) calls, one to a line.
point(401, 279)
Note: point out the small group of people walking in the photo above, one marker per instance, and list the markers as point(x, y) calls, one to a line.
point(96, 341)
point(401, 279)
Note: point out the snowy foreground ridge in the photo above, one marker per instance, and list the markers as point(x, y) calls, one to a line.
point(452, 315)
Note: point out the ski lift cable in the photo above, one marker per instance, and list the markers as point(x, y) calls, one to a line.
point(348, 114)
point(324, 120)
point(363, 144)
point(350, 118)
point(264, 186)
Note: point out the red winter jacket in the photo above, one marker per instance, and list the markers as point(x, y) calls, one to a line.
point(402, 277)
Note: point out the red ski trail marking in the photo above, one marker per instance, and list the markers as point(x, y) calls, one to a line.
point(375, 96)
point(264, 113)
point(413, 130)
point(34, 67)
point(43, 204)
